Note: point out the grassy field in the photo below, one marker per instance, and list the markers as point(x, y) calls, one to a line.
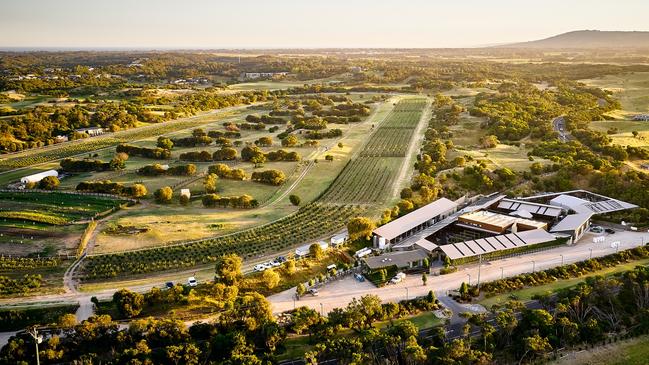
point(40, 223)
point(632, 89)
point(311, 222)
point(528, 293)
point(166, 224)
point(630, 352)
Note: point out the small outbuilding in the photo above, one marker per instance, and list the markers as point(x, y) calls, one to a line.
point(35, 178)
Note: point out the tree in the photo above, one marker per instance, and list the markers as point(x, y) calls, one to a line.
point(258, 159)
point(300, 290)
point(424, 278)
point(165, 143)
point(362, 313)
point(210, 183)
point(184, 199)
point(264, 142)
point(340, 145)
point(464, 290)
point(49, 183)
point(163, 195)
point(228, 269)
point(128, 303)
point(138, 191)
point(316, 251)
point(289, 141)
point(426, 263)
point(537, 345)
point(360, 227)
point(67, 321)
point(186, 353)
point(289, 265)
point(635, 134)
point(304, 318)
point(295, 200)
point(489, 141)
point(270, 278)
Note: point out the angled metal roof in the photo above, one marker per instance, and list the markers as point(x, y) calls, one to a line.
point(571, 222)
point(496, 243)
point(415, 218)
point(534, 208)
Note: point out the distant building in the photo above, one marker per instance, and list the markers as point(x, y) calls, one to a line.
point(60, 138)
point(92, 131)
point(259, 75)
point(35, 178)
point(641, 117)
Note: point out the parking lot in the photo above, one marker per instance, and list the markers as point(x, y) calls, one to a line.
point(339, 293)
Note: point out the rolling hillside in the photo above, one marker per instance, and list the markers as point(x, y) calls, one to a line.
point(588, 39)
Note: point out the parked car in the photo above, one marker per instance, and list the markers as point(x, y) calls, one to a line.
point(280, 259)
point(169, 285)
point(398, 278)
point(359, 277)
point(275, 263)
point(192, 281)
point(314, 292)
point(609, 230)
point(596, 229)
point(262, 267)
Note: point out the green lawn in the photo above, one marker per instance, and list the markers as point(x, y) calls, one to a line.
point(528, 293)
point(630, 352)
point(632, 89)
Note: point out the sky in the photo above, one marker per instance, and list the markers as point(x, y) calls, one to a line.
point(190, 24)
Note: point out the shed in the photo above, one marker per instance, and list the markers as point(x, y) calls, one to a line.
point(38, 177)
point(338, 239)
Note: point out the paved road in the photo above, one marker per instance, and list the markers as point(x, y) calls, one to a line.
point(559, 126)
point(489, 271)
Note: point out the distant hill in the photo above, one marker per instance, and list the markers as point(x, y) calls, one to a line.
point(588, 39)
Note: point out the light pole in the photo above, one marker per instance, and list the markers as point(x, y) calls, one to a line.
point(561, 260)
point(407, 294)
point(591, 253)
point(321, 309)
point(479, 267)
point(37, 339)
point(502, 273)
point(533, 266)
point(469, 275)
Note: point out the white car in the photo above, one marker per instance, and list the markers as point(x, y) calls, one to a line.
point(314, 292)
point(398, 278)
point(274, 264)
point(192, 281)
point(259, 267)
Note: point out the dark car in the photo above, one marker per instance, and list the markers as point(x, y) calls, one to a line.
point(280, 259)
point(609, 230)
point(169, 285)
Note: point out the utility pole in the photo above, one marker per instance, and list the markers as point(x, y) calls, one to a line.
point(533, 266)
point(37, 339)
point(561, 260)
point(502, 273)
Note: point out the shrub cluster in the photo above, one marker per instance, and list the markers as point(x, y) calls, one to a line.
point(243, 201)
point(224, 171)
point(156, 153)
point(271, 177)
